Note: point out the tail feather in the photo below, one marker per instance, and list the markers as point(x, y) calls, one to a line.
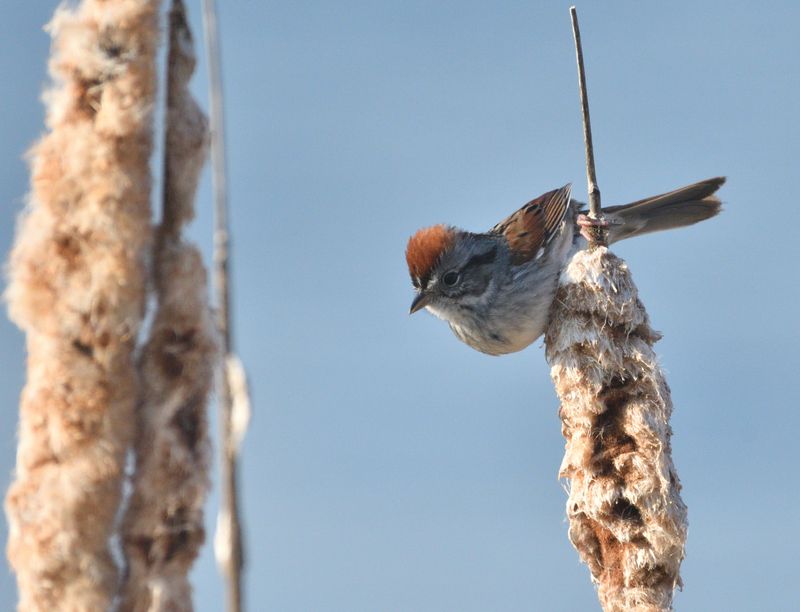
point(684, 206)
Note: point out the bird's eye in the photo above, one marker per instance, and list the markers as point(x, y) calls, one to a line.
point(450, 279)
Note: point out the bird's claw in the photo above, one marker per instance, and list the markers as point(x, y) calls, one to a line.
point(590, 228)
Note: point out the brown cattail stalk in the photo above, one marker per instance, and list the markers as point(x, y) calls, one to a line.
point(627, 519)
point(233, 397)
point(163, 528)
point(77, 289)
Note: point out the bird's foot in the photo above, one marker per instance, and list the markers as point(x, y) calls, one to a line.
point(593, 229)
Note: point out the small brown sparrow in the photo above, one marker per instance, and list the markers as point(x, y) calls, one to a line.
point(495, 288)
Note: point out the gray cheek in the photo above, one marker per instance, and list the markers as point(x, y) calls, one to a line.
point(476, 286)
point(483, 296)
point(470, 301)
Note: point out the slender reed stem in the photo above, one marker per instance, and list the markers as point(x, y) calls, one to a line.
point(594, 191)
point(230, 553)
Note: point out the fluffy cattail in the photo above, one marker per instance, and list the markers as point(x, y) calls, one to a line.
point(626, 517)
point(163, 527)
point(77, 288)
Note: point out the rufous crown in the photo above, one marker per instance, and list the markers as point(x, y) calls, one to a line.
point(424, 250)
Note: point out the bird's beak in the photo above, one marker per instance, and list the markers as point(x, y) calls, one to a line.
point(420, 301)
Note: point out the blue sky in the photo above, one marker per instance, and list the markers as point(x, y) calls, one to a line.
point(388, 466)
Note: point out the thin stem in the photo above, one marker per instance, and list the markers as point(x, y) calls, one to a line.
point(594, 191)
point(233, 561)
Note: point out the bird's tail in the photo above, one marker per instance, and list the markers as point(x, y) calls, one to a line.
point(684, 206)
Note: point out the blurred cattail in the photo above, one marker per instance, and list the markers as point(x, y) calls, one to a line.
point(77, 288)
point(627, 519)
point(163, 527)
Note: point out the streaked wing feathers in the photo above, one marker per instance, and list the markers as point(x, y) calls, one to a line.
point(530, 228)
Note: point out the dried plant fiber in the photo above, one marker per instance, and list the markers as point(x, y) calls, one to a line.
point(77, 289)
point(626, 516)
point(163, 527)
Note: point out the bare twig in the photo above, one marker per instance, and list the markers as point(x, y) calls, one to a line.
point(595, 211)
point(228, 541)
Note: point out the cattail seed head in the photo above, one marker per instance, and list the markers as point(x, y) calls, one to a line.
point(627, 519)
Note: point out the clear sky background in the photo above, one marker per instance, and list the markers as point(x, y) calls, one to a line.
point(390, 467)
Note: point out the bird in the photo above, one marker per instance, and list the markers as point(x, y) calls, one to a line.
point(495, 288)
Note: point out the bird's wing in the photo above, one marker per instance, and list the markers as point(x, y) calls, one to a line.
point(530, 228)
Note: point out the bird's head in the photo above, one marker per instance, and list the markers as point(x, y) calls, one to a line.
point(450, 268)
